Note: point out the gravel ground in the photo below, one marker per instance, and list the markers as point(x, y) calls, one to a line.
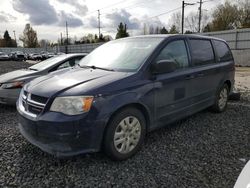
point(204, 150)
point(242, 82)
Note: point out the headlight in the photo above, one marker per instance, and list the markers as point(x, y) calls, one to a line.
point(11, 85)
point(72, 105)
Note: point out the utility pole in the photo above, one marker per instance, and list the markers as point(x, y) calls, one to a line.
point(67, 38)
point(15, 36)
point(199, 27)
point(182, 19)
point(61, 39)
point(99, 23)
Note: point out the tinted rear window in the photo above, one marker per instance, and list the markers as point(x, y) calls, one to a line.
point(202, 52)
point(223, 51)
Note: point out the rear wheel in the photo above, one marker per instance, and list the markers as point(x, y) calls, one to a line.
point(221, 99)
point(125, 134)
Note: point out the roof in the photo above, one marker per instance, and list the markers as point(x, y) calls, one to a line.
point(75, 54)
point(175, 35)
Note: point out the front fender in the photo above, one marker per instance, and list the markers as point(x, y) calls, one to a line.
point(108, 105)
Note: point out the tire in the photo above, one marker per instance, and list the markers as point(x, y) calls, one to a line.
point(221, 99)
point(125, 134)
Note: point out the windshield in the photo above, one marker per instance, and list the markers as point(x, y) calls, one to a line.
point(48, 63)
point(122, 55)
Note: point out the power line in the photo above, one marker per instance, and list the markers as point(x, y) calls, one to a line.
point(106, 7)
point(164, 13)
point(126, 8)
point(138, 4)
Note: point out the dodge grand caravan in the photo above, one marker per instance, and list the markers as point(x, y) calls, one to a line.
point(124, 89)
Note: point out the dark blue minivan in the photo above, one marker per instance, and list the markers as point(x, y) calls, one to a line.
point(124, 89)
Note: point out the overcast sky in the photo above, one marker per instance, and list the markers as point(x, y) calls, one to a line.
point(48, 17)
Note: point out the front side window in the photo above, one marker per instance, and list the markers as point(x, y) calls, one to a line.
point(223, 51)
point(70, 63)
point(175, 51)
point(202, 52)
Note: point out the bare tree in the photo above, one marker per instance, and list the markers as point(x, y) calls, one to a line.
point(29, 37)
point(176, 20)
point(244, 13)
point(192, 20)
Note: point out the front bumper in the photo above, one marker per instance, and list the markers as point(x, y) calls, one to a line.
point(62, 136)
point(9, 96)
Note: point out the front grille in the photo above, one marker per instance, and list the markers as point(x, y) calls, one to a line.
point(39, 99)
point(33, 104)
point(34, 109)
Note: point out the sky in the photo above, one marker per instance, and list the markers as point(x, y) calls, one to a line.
point(48, 17)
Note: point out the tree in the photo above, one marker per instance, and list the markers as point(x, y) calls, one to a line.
point(45, 43)
point(122, 31)
point(29, 37)
point(207, 28)
point(6, 36)
point(176, 20)
point(151, 30)
point(173, 30)
point(145, 29)
point(7, 39)
point(164, 31)
point(225, 17)
point(188, 32)
point(244, 14)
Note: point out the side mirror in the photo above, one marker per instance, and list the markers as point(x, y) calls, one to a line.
point(164, 66)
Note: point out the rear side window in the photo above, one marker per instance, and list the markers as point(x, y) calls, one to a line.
point(223, 51)
point(202, 52)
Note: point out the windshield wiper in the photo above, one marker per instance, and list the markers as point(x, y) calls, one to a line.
point(95, 67)
point(33, 69)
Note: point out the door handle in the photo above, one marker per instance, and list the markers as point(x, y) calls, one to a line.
point(189, 77)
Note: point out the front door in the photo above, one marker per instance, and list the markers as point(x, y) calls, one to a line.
point(173, 90)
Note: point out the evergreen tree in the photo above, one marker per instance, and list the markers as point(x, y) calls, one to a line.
point(164, 31)
point(122, 31)
point(6, 36)
point(7, 40)
point(173, 30)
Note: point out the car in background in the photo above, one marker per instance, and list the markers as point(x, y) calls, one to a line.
point(12, 56)
point(19, 56)
point(50, 54)
point(44, 55)
point(4, 56)
point(59, 53)
point(12, 82)
point(36, 57)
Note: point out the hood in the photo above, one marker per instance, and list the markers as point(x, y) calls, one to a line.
point(4, 55)
point(60, 81)
point(16, 75)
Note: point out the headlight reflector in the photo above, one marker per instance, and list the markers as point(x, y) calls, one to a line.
point(11, 85)
point(73, 105)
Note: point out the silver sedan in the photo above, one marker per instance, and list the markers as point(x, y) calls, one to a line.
point(11, 83)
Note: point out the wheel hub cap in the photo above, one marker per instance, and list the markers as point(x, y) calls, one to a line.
point(127, 134)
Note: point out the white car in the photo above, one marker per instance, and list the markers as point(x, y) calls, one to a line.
point(4, 56)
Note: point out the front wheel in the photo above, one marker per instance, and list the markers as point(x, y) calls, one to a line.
point(125, 134)
point(221, 99)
